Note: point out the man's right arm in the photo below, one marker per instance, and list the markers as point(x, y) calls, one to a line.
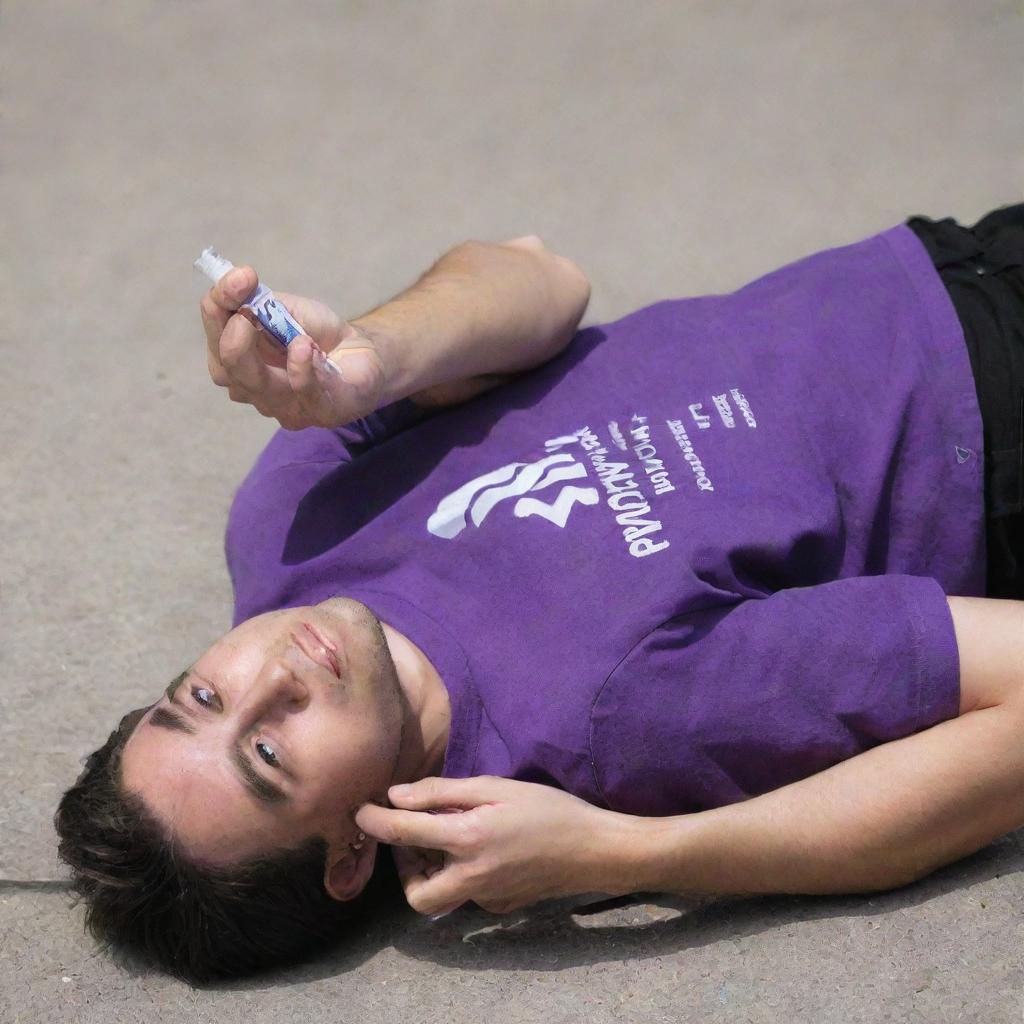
point(878, 820)
point(882, 819)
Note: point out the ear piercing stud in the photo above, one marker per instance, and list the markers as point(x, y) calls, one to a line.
point(359, 845)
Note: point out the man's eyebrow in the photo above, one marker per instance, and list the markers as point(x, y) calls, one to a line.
point(264, 791)
point(175, 683)
point(167, 719)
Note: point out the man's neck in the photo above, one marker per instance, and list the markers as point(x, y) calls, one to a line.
point(425, 737)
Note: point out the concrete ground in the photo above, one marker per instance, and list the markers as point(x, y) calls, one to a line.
point(671, 149)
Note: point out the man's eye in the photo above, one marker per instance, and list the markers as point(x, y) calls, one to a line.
point(205, 696)
point(270, 757)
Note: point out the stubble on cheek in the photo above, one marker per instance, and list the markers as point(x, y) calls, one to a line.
point(386, 679)
point(371, 664)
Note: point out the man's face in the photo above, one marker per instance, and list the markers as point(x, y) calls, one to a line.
point(305, 702)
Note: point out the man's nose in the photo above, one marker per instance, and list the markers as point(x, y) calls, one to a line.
point(277, 686)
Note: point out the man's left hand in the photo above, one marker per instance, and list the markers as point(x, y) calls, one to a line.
point(509, 843)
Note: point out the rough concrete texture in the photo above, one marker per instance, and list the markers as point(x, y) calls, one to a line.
point(671, 148)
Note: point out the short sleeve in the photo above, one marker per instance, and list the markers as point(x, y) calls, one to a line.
point(726, 703)
point(292, 501)
point(382, 424)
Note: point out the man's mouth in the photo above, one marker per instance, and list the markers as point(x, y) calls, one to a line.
point(313, 645)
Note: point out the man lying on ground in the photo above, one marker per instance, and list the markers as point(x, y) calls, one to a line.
point(717, 598)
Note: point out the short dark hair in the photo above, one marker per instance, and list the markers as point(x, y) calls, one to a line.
point(145, 897)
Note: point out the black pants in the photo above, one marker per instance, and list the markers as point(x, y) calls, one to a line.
point(982, 267)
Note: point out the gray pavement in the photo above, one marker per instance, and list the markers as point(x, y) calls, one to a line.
point(669, 148)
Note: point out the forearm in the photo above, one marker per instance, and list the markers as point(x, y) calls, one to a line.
point(876, 821)
point(482, 309)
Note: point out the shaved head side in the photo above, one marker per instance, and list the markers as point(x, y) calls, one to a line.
point(146, 898)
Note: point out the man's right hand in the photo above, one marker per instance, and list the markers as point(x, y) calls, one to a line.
point(294, 385)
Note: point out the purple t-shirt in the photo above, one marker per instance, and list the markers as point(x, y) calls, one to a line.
point(700, 554)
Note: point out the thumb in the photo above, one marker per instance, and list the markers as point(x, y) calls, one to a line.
point(315, 382)
point(337, 389)
point(361, 365)
point(440, 793)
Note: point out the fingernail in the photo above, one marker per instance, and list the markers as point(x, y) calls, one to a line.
point(322, 362)
point(400, 790)
point(240, 285)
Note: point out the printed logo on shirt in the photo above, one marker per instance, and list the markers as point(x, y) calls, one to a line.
point(474, 501)
point(516, 482)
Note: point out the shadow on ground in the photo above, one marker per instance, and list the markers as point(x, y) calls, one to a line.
point(562, 934)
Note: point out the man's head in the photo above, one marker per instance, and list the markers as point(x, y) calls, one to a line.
point(214, 831)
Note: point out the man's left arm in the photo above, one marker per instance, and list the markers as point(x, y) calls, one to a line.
point(483, 313)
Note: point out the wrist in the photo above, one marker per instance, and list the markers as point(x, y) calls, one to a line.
point(628, 853)
point(388, 351)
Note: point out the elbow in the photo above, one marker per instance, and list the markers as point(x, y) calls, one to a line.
point(576, 279)
point(571, 285)
point(569, 269)
point(563, 289)
point(531, 243)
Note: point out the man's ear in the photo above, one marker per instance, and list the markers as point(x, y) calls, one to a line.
point(347, 871)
